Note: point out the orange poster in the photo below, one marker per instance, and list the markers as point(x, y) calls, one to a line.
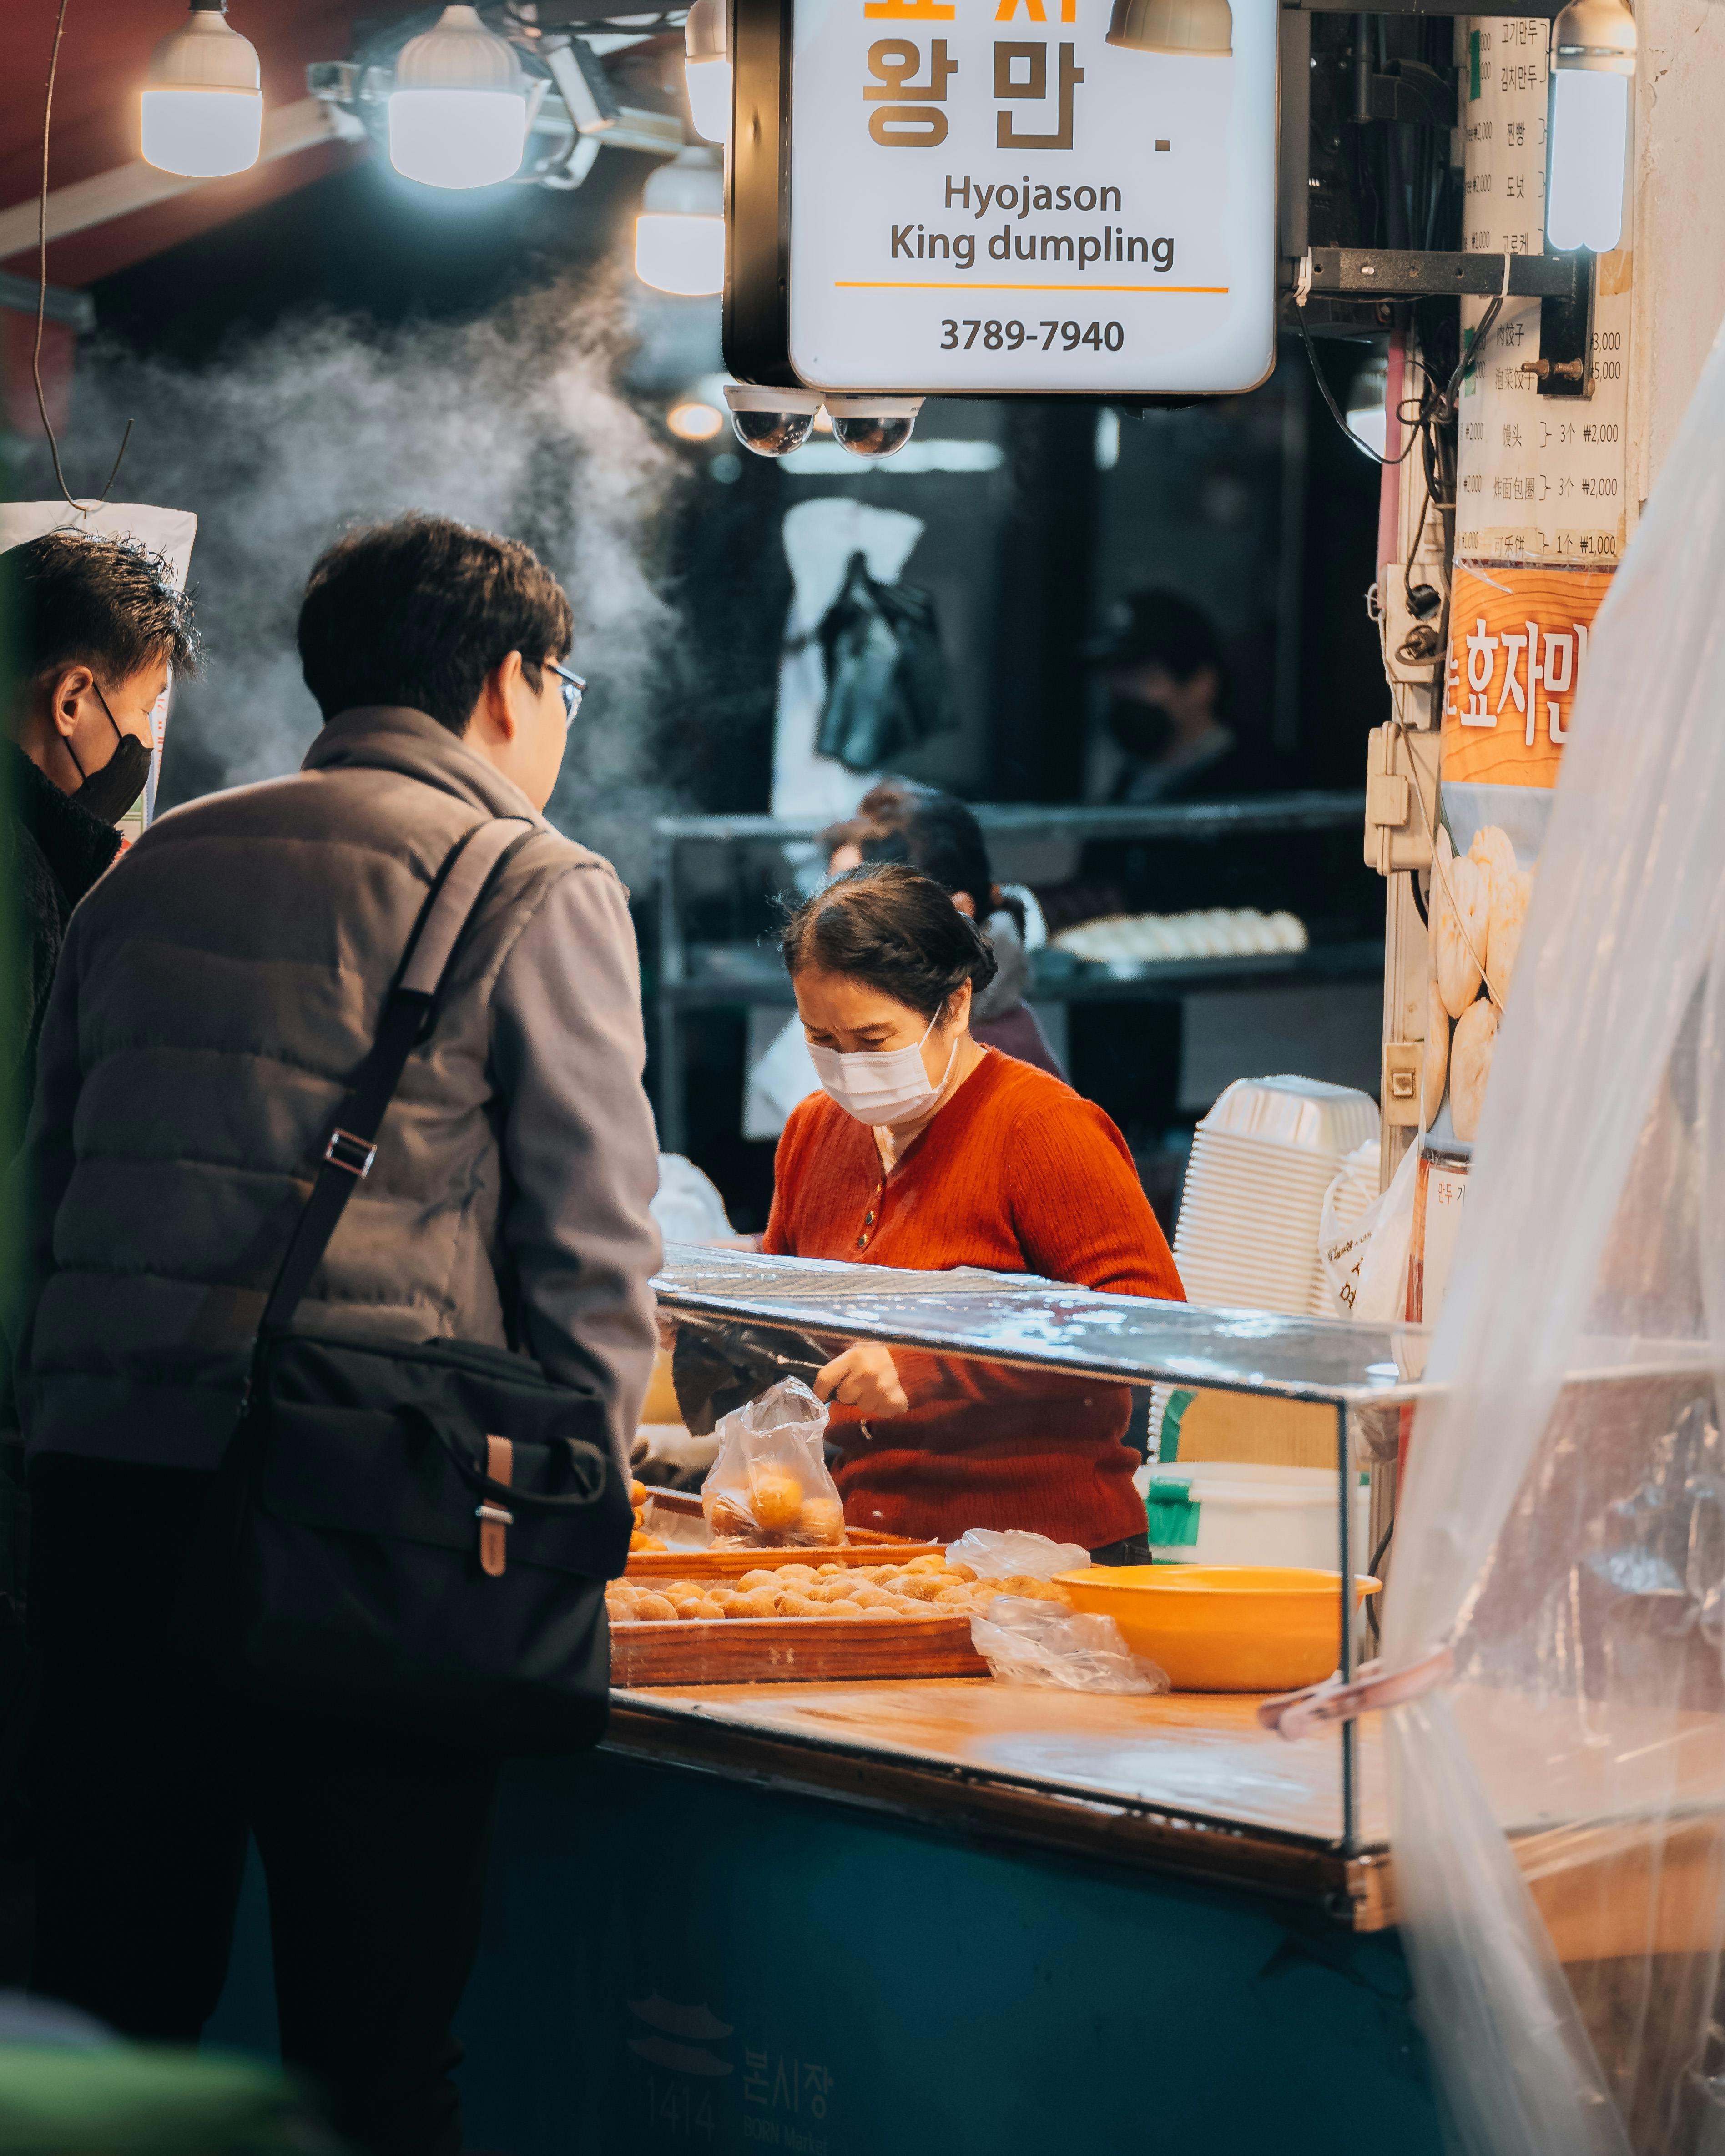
point(1517, 648)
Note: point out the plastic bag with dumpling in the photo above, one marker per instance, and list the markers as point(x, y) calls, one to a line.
point(769, 1487)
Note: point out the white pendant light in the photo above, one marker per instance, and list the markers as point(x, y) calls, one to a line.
point(458, 115)
point(1186, 28)
point(1593, 57)
point(201, 110)
point(680, 234)
point(707, 69)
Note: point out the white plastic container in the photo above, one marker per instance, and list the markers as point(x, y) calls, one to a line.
point(1242, 1512)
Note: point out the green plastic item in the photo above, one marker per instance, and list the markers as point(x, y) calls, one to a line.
point(1172, 1417)
point(1171, 1514)
point(138, 2100)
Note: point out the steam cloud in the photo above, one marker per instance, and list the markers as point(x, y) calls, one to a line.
point(513, 423)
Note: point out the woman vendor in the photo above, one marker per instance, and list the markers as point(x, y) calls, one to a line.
point(938, 835)
point(927, 1149)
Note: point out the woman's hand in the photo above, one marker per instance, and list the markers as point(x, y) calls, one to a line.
point(863, 1376)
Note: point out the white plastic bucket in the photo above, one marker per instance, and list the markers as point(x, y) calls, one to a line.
point(1222, 1512)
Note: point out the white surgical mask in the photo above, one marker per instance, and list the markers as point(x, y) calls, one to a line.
point(879, 1086)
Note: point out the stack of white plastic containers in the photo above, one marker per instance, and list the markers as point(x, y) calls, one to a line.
point(1262, 1160)
point(1252, 1221)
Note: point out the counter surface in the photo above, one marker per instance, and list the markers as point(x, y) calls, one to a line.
point(1184, 1777)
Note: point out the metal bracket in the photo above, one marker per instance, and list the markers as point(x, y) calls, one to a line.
point(1404, 1069)
point(1565, 364)
point(1541, 10)
point(585, 89)
point(1396, 760)
point(1384, 273)
point(1407, 91)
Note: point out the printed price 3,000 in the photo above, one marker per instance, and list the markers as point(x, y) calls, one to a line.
point(1011, 336)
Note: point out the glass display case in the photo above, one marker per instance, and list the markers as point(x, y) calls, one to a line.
point(1029, 1351)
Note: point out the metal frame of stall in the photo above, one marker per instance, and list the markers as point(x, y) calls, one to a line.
point(1028, 1323)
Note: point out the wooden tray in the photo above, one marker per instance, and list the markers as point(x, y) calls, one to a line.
point(864, 1547)
point(791, 1649)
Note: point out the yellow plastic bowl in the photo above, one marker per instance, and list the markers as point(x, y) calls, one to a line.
point(1223, 1627)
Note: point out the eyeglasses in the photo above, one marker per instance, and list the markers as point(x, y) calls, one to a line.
point(573, 688)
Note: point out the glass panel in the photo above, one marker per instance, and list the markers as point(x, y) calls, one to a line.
point(927, 1440)
point(1044, 1323)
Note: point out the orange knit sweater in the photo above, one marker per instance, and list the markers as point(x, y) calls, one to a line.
point(1017, 1174)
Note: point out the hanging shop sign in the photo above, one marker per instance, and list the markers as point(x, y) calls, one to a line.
point(987, 196)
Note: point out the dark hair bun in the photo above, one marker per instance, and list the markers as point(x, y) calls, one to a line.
point(899, 932)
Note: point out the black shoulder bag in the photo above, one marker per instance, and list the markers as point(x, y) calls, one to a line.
point(417, 1535)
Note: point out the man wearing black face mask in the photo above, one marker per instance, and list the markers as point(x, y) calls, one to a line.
point(1167, 683)
point(97, 624)
point(94, 625)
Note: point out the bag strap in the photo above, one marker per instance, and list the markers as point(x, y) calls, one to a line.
point(461, 883)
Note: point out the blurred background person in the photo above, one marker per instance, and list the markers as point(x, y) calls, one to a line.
point(937, 835)
point(1165, 679)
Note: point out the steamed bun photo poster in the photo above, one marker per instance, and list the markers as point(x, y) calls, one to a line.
point(1519, 638)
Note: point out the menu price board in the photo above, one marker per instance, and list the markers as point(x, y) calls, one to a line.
point(986, 196)
point(1541, 478)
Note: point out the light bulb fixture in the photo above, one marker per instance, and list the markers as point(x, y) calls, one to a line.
point(458, 115)
point(692, 421)
point(1593, 57)
point(201, 110)
point(680, 234)
point(1186, 28)
point(707, 69)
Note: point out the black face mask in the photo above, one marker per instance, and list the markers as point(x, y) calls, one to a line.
point(108, 793)
point(1144, 731)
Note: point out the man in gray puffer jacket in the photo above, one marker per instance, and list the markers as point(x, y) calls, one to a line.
point(217, 994)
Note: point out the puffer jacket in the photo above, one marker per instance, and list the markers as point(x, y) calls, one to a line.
point(219, 990)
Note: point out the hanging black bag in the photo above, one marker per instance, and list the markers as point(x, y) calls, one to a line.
point(414, 1535)
point(888, 684)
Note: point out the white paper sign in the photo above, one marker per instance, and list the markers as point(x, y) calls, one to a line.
point(987, 196)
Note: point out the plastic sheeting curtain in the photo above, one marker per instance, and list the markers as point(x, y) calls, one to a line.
point(1559, 1809)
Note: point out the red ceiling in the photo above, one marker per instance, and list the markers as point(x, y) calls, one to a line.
point(103, 56)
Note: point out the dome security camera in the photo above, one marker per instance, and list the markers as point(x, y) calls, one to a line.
point(771, 422)
point(873, 426)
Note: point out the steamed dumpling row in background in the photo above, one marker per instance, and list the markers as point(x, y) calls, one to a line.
point(1220, 932)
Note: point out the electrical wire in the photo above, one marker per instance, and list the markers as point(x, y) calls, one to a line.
point(1335, 412)
point(1432, 413)
point(83, 508)
point(1373, 1563)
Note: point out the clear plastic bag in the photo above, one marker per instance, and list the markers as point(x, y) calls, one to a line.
point(1369, 1272)
point(1015, 1553)
point(769, 1487)
point(1558, 1528)
point(1041, 1643)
